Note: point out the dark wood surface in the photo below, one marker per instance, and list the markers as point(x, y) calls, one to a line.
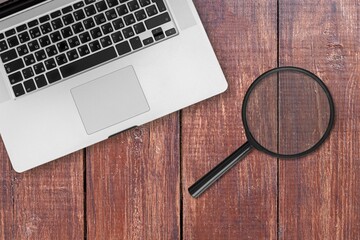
point(134, 186)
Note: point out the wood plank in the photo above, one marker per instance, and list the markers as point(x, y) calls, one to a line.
point(319, 195)
point(133, 184)
point(6, 202)
point(44, 203)
point(243, 204)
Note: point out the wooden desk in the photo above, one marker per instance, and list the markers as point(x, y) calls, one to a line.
point(134, 186)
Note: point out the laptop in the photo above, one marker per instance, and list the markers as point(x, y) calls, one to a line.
point(74, 73)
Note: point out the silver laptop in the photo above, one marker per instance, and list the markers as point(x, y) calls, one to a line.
point(73, 73)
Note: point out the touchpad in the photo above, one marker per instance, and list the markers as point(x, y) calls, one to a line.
point(109, 100)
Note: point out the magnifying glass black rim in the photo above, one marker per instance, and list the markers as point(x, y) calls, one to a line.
point(256, 144)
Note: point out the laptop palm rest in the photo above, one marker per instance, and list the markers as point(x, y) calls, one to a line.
point(109, 100)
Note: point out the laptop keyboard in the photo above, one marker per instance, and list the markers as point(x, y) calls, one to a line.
point(78, 37)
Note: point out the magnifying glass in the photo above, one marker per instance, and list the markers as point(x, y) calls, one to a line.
point(287, 112)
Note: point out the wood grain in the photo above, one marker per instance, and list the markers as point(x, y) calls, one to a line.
point(242, 205)
point(44, 203)
point(133, 184)
point(319, 195)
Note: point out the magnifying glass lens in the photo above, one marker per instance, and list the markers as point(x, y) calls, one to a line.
point(287, 113)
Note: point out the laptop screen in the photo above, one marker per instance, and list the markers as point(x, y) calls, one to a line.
point(9, 7)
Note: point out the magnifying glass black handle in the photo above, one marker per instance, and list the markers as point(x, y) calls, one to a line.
point(206, 181)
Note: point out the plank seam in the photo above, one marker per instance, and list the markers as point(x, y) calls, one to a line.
point(85, 195)
point(181, 173)
point(278, 127)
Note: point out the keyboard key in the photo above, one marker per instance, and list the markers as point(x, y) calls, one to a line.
point(118, 24)
point(61, 59)
point(40, 55)
point(62, 46)
point(117, 37)
point(55, 14)
point(50, 64)
point(21, 28)
point(96, 33)
point(27, 72)
point(67, 9)
point(55, 36)
point(139, 28)
point(112, 3)
point(160, 5)
point(83, 50)
point(57, 23)
point(78, 28)
point(123, 48)
point(2, 36)
point(18, 90)
point(40, 81)
point(74, 41)
point(88, 62)
point(68, 19)
point(33, 45)
point(15, 78)
point(89, 1)
point(78, 5)
point(128, 32)
point(3, 46)
point(129, 19)
point(33, 23)
point(140, 15)
point(158, 34)
point(67, 32)
point(22, 50)
point(151, 10)
point(170, 32)
point(29, 59)
point(14, 65)
point(39, 68)
point(84, 37)
point(90, 10)
point(13, 41)
point(53, 76)
point(144, 3)
point(44, 18)
point(89, 23)
point(157, 21)
point(10, 32)
point(101, 6)
point(136, 43)
point(45, 28)
point(107, 28)
point(105, 41)
point(79, 14)
point(51, 51)
point(72, 55)
point(148, 41)
point(133, 5)
point(94, 46)
point(100, 19)
point(29, 85)
point(111, 14)
point(8, 55)
point(122, 10)
point(34, 32)
point(44, 41)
